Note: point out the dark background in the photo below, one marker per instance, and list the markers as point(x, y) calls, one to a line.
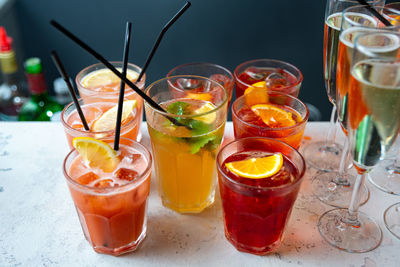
point(222, 32)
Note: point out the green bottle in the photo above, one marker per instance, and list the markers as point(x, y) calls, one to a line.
point(40, 107)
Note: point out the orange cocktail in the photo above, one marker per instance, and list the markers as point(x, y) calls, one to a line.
point(111, 203)
point(101, 118)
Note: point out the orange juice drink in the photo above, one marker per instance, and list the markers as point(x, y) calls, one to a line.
point(98, 81)
point(101, 118)
point(184, 154)
point(110, 192)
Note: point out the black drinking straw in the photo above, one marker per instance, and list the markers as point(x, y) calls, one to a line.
point(122, 85)
point(160, 36)
point(375, 13)
point(64, 74)
point(115, 71)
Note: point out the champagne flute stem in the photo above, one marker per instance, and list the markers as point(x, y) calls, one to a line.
point(341, 178)
point(331, 137)
point(352, 214)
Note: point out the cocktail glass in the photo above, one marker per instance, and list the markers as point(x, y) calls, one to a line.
point(278, 76)
point(212, 71)
point(93, 107)
point(373, 125)
point(108, 89)
point(111, 210)
point(256, 211)
point(246, 123)
point(184, 156)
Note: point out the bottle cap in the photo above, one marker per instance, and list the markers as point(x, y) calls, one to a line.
point(33, 65)
point(5, 41)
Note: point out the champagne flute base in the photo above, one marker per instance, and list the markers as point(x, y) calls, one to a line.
point(386, 177)
point(391, 218)
point(363, 237)
point(322, 156)
point(336, 194)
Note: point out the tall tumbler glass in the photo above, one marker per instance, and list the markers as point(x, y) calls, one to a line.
point(373, 125)
point(325, 155)
point(112, 206)
point(256, 211)
point(185, 139)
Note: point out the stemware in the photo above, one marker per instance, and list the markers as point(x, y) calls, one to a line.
point(373, 125)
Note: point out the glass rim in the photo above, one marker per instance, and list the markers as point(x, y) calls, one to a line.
point(305, 119)
point(298, 82)
point(346, 12)
point(226, 98)
point(252, 187)
point(67, 126)
point(107, 190)
point(199, 64)
point(79, 76)
point(370, 50)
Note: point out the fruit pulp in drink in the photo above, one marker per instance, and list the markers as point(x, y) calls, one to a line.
point(277, 80)
point(256, 210)
point(184, 159)
point(92, 112)
point(112, 206)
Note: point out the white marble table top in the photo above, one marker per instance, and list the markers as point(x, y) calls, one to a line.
point(39, 225)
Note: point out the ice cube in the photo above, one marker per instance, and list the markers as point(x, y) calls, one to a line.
point(275, 80)
point(188, 84)
point(105, 183)
point(131, 158)
point(220, 78)
point(87, 178)
point(126, 174)
point(256, 73)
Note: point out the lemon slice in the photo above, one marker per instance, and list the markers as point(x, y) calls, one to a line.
point(273, 116)
point(105, 76)
point(108, 119)
point(257, 168)
point(96, 153)
point(208, 118)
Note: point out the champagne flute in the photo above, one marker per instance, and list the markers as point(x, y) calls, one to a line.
point(386, 176)
point(335, 188)
point(373, 125)
point(325, 155)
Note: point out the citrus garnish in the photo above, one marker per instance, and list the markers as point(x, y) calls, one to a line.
point(108, 119)
point(208, 118)
point(200, 96)
point(256, 93)
point(257, 168)
point(96, 153)
point(104, 77)
point(273, 116)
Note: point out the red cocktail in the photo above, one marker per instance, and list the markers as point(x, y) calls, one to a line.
point(271, 114)
point(273, 75)
point(256, 210)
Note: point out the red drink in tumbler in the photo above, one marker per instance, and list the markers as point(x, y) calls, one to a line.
point(256, 210)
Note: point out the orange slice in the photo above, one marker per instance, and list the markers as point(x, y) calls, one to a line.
point(96, 153)
point(257, 168)
point(108, 119)
point(273, 116)
point(200, 96)
point(257, 93)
